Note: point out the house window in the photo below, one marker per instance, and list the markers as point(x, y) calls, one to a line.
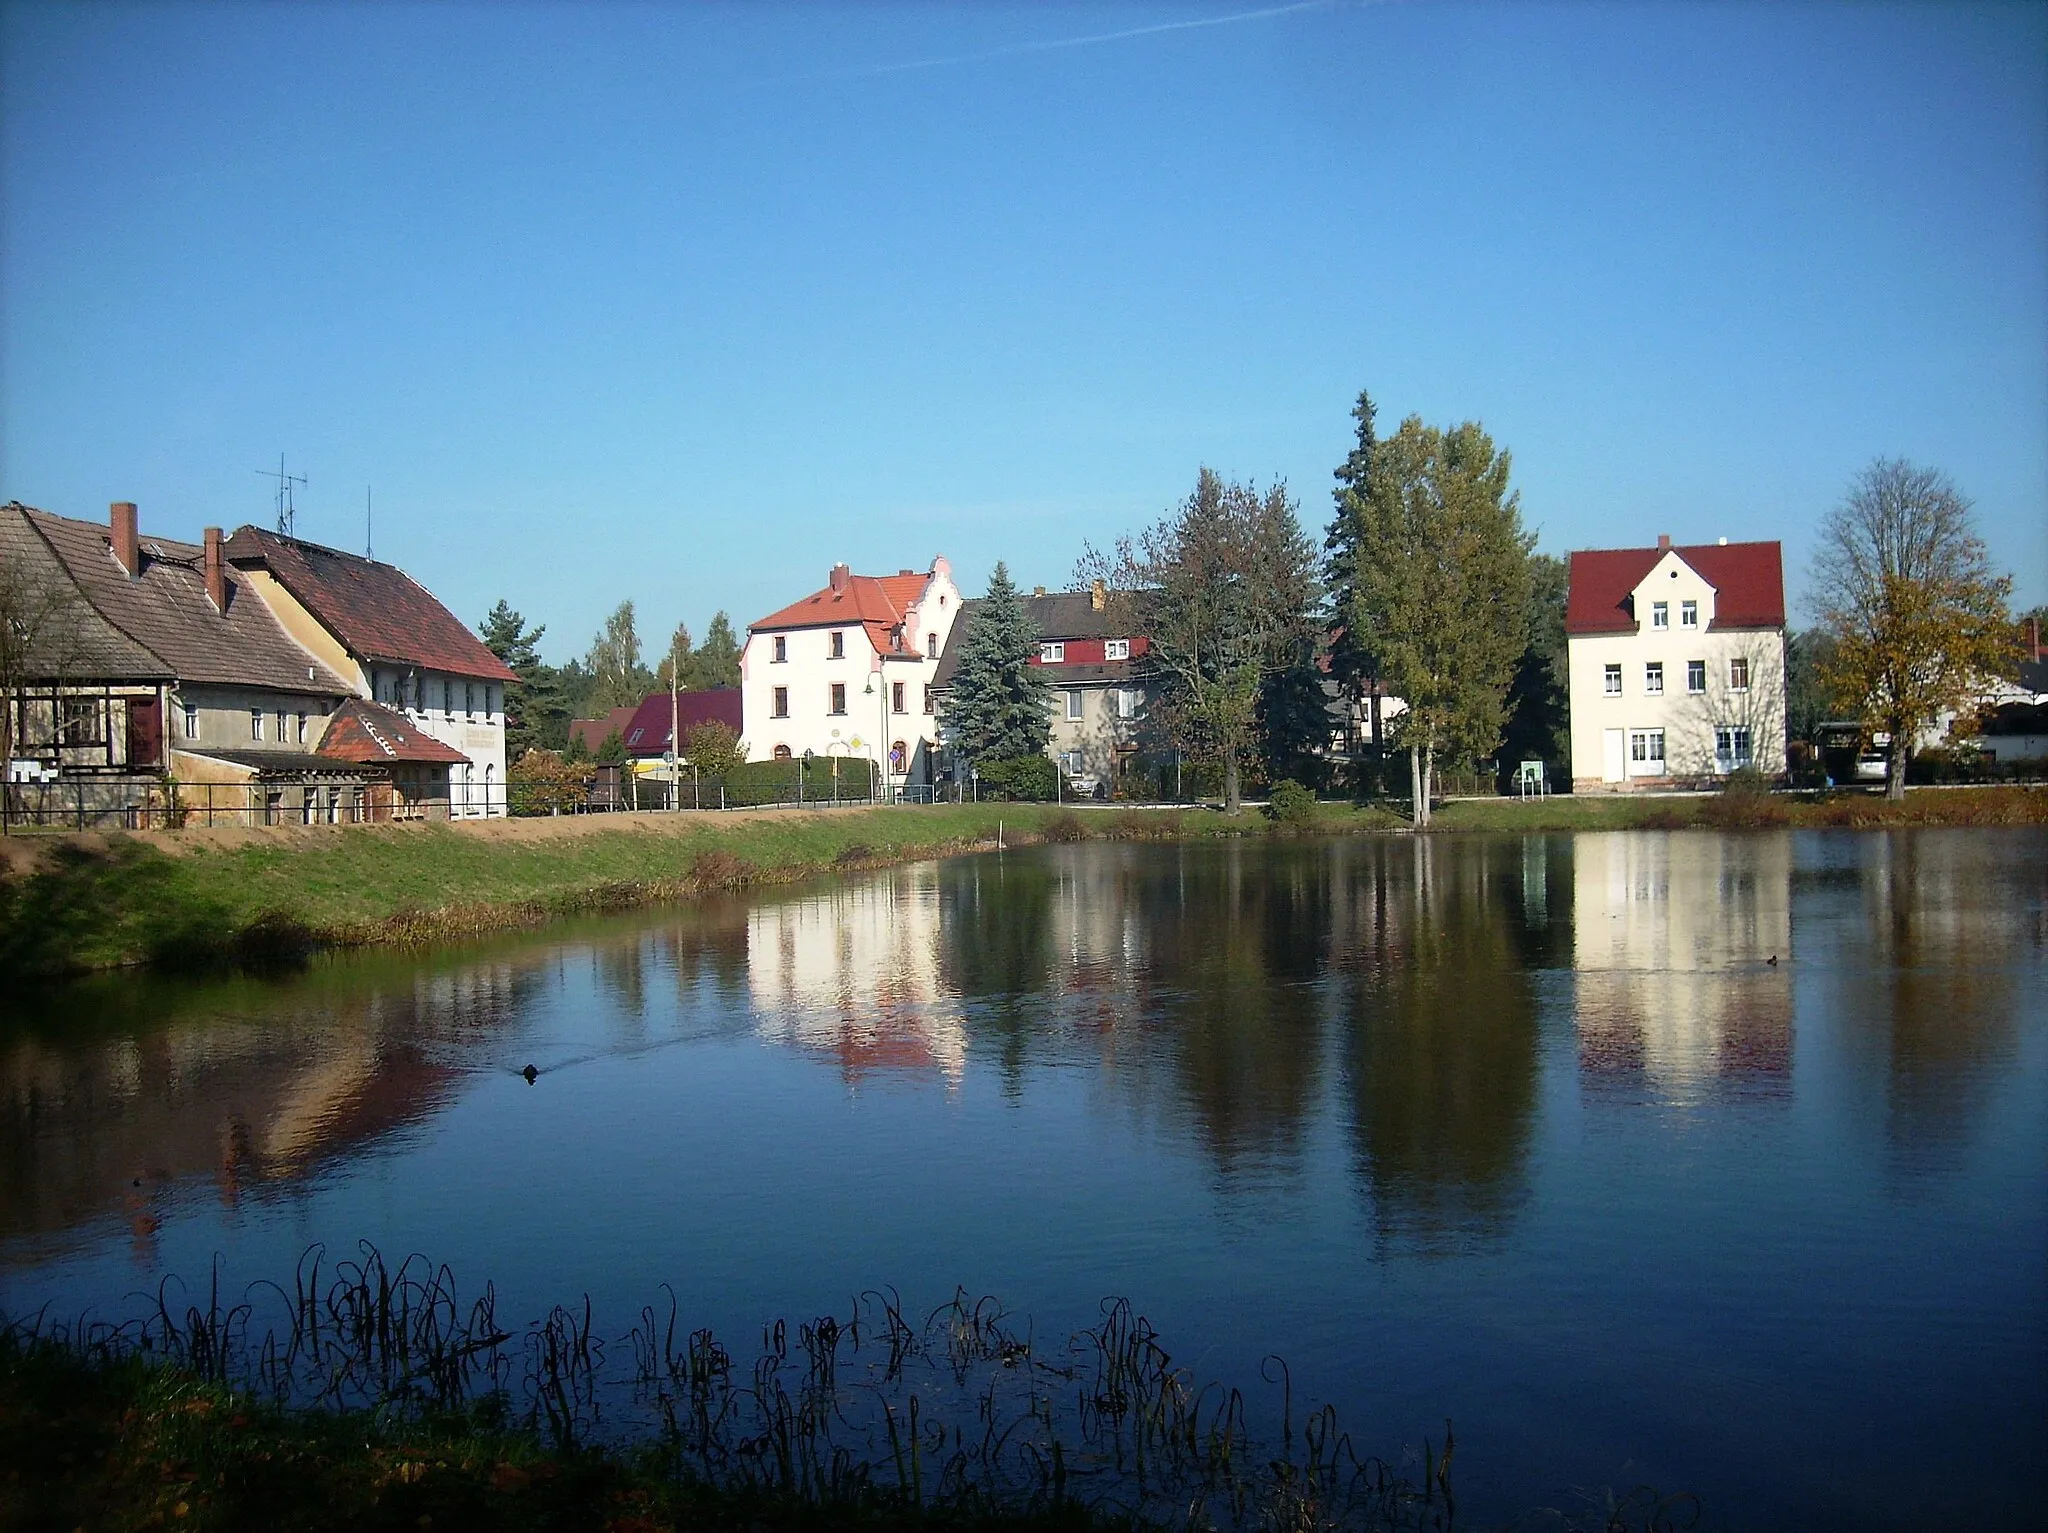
point(1738, 674)
point(1653, 678)
point(1660, 614)
point(781, 649)
point(782, 753)
point(1126, 702)
point(1731, 747)
point(191, 721)
point(1117, 649)
point(931, 646)
point(1646, 750)
point(255, 723)
point(781, 702)
point(1052, 654)
point(838, 693)
point(301, 735)
point(1688, 614)
point(1695, 676)
point(838, 645)
point(1073, 705)
point(281, 735)
point(468, 701)
point(928, 697)
point(447, 697)
point(1614, 681)
point(899, 756)
point(1070, 763)
point(82, 721)
point(896, 703)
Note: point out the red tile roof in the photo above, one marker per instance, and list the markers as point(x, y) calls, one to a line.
point(377, 610)
point(1748, 581)
point(594, 732)
point(647, 732)
point(876, 602)
point(366, 731)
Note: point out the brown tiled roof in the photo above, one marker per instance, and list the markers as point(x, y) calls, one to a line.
point(166, 610)
point(594, 732)
point(876, 602)
point(377, 610)
point(78, 642)
point(646, 733)
point(364, 731)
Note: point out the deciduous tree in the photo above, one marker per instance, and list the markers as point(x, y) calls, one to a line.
point(1439, 591)
point(1224, 587)
point(1903, 584)
point(997, 708)
point(618, 677)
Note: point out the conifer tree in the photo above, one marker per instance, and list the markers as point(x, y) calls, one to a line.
point(717, 660)
point(998, 706)
point(534, 704)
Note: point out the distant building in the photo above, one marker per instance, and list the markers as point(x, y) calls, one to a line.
point(1676, 664)
point(594, 732)
point(651, 733)
point(1101, 687)
point(849, 669)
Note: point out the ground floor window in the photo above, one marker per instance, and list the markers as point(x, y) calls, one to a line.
point(1646, 751)
point(84, 723)
point(782, 753)
point(1731, 747)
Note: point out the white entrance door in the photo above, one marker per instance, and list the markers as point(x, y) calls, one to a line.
point(1613, 755)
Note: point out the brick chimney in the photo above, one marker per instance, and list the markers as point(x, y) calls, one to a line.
point(1663, 542)
point(1098, 595)
point(216, 572)
point(840, 575)
point(2033, 640)
point(126, 539)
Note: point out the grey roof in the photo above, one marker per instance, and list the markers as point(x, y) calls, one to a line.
point(75, 642)
point(1057, 615)
point(166, 611)
point(285, 763)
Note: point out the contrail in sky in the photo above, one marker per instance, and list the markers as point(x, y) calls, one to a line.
point(1014, 50)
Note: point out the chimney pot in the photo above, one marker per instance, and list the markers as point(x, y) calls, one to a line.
point(216, 572)
point(1663, 542)
point(841, 573)
point(1098, 596)
point(1038, 590)
point(126, 539)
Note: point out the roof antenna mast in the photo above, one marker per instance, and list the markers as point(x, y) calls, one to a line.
point(366, 521)
point(286, 511)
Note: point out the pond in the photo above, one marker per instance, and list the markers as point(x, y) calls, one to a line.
point(1711, 1162)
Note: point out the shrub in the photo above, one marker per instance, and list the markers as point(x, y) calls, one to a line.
point(720, 869)
point(1030, 779)
point(1291, 804)
point(1066, 826)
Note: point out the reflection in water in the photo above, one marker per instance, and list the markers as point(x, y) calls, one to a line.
point(854, 973)
point(1682, 944)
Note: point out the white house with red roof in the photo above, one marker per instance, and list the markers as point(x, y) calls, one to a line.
point(848, 670)
point(1677, 664)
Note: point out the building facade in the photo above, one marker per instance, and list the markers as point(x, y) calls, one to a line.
point(395, 645)
point(1676, 664)
point(849, 670)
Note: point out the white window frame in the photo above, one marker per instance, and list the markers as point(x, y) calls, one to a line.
point(1611, 685)
point(1646, 749)
point(1653, 678)
point(256, 723)
point(1116, 649)
point(1695, 677)
point(191, 720)
point(1660, 614)
point(1052, 654)
point(1734, 747)
point(1738, 666)
point(1688, 614)
point(1073, 704)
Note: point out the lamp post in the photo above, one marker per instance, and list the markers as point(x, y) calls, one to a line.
point(882, 763)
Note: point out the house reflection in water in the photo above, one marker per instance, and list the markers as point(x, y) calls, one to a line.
point(227, 1092)
point(854, 973)
point(1673, 937)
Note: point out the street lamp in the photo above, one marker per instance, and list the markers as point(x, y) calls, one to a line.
point(881, 696)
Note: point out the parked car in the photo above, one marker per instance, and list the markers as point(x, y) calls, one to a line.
point(1083, 785)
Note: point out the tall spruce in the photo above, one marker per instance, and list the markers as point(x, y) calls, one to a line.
point(534, 704)
point(717, 661)
point(1442, 599)
point(998, 706)
point(1352, 666)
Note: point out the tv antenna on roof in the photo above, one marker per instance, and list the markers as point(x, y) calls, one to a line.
point(286, 511)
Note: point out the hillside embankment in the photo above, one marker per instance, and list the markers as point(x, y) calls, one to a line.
point(77, 902)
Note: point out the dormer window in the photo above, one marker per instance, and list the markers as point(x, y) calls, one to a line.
point(1116, 649)
point(1052, 654)
point(1688, 614)
point(1660, 614)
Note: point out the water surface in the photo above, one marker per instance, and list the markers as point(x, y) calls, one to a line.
point(1715, 1162)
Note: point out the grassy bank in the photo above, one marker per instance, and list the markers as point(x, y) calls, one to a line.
point(80, 902)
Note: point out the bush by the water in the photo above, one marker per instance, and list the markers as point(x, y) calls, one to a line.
point(1027, 779)
point(1291, 804)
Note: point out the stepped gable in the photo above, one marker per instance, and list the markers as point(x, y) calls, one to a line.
point(165, 609)
point(1748, 581)
point(365, 732)
point(379, 612)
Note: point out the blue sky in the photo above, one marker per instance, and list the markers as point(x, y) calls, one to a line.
point(684, 303)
